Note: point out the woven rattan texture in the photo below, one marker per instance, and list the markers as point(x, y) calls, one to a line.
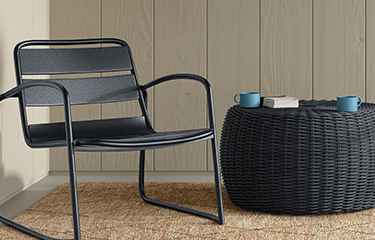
point(308, 160)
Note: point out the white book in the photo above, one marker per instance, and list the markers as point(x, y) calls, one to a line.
point(280, 102)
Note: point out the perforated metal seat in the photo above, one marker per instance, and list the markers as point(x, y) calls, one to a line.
point(120, 134)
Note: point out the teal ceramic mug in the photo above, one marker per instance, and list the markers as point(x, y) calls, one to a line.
point(348, 103)
point(248, 99)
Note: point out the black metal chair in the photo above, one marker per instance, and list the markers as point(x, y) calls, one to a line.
point(120, 134)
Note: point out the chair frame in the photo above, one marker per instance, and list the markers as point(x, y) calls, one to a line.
point(73, 145)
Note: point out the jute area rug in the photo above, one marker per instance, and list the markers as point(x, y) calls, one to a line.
point(115, 211)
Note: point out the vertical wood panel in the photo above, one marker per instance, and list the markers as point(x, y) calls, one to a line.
point(132, 21)
point(3, 194)
point(72, 19)
point(339, 48)
point(40, 31)
point(233, 53)
point(10, 129)
point(308, 49)
point(370, 60)
point(19, 165)
point(180, 46)
point(286, 48)
point(25, 31)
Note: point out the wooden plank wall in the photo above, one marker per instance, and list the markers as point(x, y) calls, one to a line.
point(20, 166)
point(311, 49)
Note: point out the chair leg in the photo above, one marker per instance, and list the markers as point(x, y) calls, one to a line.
point(74, 199)
point(217, 175)
point(147, 199)
point(74, 194)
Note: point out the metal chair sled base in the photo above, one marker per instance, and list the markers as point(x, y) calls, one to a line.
point(219, 219)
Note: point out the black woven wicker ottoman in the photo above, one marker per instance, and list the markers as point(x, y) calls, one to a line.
point(307, 160)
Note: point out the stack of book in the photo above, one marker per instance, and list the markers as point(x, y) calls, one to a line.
point(280, 102)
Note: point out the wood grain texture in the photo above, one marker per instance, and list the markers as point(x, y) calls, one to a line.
point(40, 30)
point(10, 177)
point(69, 20)
point(233, 53)
point(180, 46)
point(286, 48)
point(304, 48)
point(20, 166)
point(370, 53)
point(339, 48)
point(132, 21)
point(72, 19)
point(3, 194)
point(25, 154)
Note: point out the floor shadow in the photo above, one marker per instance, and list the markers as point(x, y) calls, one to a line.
point(10, 184)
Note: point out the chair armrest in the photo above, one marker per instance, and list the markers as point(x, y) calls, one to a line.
point(186, 76)
point(45, 83)
point(175, 77)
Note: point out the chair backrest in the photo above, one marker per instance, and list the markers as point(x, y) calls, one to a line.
point(74, 58)
point(92, 70)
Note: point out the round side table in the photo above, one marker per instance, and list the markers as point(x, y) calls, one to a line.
point(307, 160)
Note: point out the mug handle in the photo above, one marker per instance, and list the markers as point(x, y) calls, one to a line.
point(235, 96)
point(360, 101)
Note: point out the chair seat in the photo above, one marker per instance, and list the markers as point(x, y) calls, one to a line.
point(108, 135)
